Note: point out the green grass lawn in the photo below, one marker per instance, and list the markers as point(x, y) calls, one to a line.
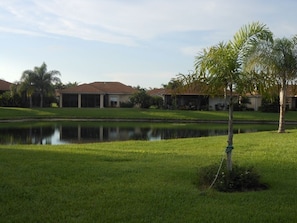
point(140, 181)
point(133, 114)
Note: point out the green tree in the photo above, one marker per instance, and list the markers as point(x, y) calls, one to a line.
point(175, 86)
point(274, 64)
point(141, 98)
point(157, 101)
point(220, 67)
point(5, 98)
point(25, 86)
point(39, 81)
point(60, 85)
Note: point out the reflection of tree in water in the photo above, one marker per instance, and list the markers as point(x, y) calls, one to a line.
point(102, 133)
point(140, 134)
point(31, 135)
point(166, 133)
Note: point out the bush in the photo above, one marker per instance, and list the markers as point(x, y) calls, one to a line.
point(239, 107)
point(126, 104)
point(157, 101)
point(270, 105)
point(144, 100)
point(238, 180)
point(141, 98)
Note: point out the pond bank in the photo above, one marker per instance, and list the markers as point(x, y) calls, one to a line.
point(144, 120)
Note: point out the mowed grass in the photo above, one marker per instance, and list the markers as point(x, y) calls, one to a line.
point(135, 114)
point(141, 181)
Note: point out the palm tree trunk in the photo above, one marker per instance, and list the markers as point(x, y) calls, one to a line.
point(41, 100)
point(30, 101)
point(230, 132)
point(282, 108)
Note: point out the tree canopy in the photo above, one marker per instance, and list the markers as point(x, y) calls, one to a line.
point(39, 81)
point(273, 64)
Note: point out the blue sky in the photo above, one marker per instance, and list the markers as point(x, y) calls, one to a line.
point(137, 42)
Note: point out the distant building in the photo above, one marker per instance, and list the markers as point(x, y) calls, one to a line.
point(4, 86)
point(193, 98)
point(198, 100)
point(183, 100)
point(292, 97)
point(96, 94)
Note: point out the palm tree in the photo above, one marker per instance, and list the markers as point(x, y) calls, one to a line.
point(220, 67)
point(275, 64)
point(40, 81)
point(26, 86)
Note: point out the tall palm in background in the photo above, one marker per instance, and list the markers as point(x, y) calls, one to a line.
point(39, 81)
point(274, 63)
point(26, 85)
point(220, 67)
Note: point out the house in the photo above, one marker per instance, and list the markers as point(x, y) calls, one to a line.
point(187, 99)
point(292, 97)
point(197, 99)
point(96, 94)
point(194, 97)
point(4, 86)
point(255, 101)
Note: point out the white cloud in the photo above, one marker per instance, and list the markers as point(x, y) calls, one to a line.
point(170, 33)
point(20, 31)
point(130, 22)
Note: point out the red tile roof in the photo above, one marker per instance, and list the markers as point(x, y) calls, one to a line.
point(164, 91)
point(113, 87)
point(158, 92)
point(4, 85)
point(83, 88)
point(100, 88)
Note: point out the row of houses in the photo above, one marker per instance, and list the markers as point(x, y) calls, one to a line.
point(112, 94)
point(199, 100)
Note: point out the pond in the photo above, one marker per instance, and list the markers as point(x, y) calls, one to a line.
point(54, 133)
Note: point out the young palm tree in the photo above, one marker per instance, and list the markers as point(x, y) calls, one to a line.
point(220, 66)
point(275, 63)
point(39, 80)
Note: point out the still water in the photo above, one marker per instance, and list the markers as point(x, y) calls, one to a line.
point(54, 133)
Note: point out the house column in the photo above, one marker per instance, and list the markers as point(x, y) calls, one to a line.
point(61, 101)
point(79, 101)
point(101, 138)
point(79, 133)
point(118, 102)
point(101, 101)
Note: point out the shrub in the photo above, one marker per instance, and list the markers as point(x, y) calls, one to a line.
point(270, 105)
point(126, 104)
point(239, 179)
point(157, 101)
point(141, 98)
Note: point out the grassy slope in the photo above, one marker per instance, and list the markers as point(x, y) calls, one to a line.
point(139, 181)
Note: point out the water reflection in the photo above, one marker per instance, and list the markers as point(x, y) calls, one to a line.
point(29, 135)
point(59, 133)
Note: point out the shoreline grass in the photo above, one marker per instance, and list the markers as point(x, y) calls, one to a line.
point(137, 114)
point(140, 181)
